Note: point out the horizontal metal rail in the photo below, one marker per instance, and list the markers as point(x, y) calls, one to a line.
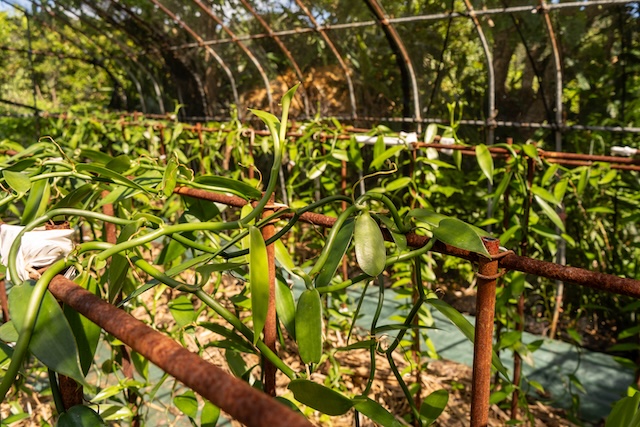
point(234, 396)
point(579, 276)
point(406, 19)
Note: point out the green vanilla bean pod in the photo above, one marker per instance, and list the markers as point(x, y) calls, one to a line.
point(309, 326)
point(370, 251)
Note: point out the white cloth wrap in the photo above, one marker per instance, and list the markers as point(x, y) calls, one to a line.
point(39, 248)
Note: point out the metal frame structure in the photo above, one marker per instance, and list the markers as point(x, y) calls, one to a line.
point(411, 114)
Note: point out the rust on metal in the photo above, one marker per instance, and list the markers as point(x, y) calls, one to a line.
point(210, 196)
point(70, 392)
point(270, 326)
point(234, 396)
point(4, 303)
point(550, 270)
point(483, 342)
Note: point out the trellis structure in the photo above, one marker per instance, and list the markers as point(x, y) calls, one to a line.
point(209, 56)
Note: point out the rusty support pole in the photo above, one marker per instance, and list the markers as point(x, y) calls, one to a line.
point(524, 249)
point(4, 303)
point(270, 326)
point(110, 236)
point(234, 396)
point(343, 174)
point(483, 342)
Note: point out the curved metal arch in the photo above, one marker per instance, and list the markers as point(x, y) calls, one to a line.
point(66, 22)
point(287, 53)
point(557, 63)
point(491, 107)
point(334, 50)
point(99, 62)
point(209, 50)
point(131, 55)
point(243, 47)
point(403, 60)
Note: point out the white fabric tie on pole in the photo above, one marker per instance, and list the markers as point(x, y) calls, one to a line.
point(39, 248)
point(402, 138)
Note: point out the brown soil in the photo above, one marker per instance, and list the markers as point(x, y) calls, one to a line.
point(353, 376)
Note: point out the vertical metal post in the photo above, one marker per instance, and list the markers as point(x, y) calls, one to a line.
point(343, 176)
point(270, 327)
point(524, 249)
point(483, 342)
point(557, 62)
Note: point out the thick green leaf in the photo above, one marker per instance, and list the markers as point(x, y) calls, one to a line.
point(502, 187)
point(208, 269)
point(119, 164)
point(319, 397)
point(316, 170)
point(430, 217)
point(550, 213)
point(339, 249)
point(509, 234)
point(170, 252)
point(37, 202)
point(545, 195)
point(370, 251)
point(20, 165)
point(236, 363)
point(119, 266)
point(309, 326)
point(272, 122)
point(560, 188)
point(457, 233)
point(86, 332)
point(465, 327)
point(531, 151)
point(583, 181)
point(182, 310)
point(170, 177)
point(259, 280)
point(6, 353)
point(483, 155)
point(109, 175)
point(398, 183)
point(80, 416)
point(141, 364)
point(187, 403)
point(234, 341)
point(399, 239)
point(549, 173)
point(228, 185)
point(96, 156)
point(8, 332)
point(19, 182)
point(286, 307)
point(283, 257)
point(209, 415)
point(375, 412)
point(433, 405)
point(75, 196)
point(608, 177)
point(52, 341)
point(382, 157)
point(624, 411)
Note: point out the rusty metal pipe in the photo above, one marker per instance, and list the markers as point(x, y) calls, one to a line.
point(232, 395)
point(579, 276)
point(483, 342)
point(270, 325)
